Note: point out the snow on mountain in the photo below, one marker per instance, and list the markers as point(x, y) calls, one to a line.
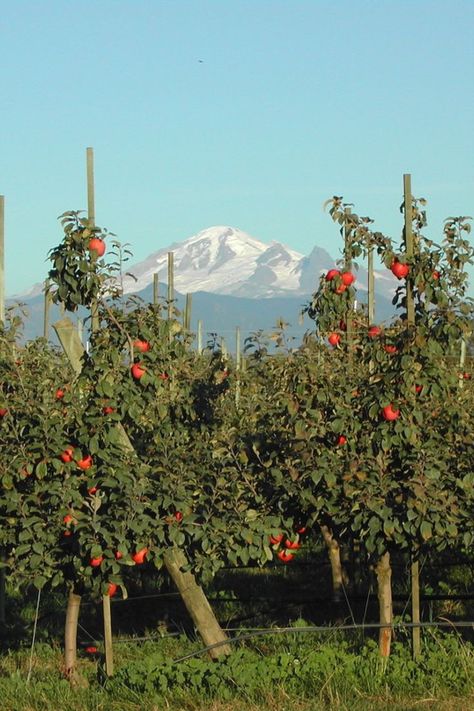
point(30, 293)
point(226, 260)
point(223, 260)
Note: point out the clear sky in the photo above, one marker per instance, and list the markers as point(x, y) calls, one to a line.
point(241, 112)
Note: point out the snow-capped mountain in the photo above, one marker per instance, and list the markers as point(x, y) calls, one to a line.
point(223, 260)
point(226, 260)
point(237, 281)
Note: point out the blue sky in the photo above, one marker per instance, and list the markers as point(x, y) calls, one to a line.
point(292, 102)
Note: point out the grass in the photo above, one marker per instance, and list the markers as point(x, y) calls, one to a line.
point(294, 672)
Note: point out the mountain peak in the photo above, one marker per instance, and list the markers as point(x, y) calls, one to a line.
point(224, 260)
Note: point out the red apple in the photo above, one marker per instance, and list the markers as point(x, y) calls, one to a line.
point(178, 516)
point(301, 530)
point(68, 519)
point(138, 371)
point(111, 589)
point(3, 411)
point(466, 376)
point(285, 556)
point(347, 278)
point(142, 346)
point(331, 274)
point(92, 490)
point(374, 331)
point(96, 562)
point(118, 555)
point(334, 339)
point(276, 539)
point(59, 394)
point(399, 269)
point(436, 275)
point(97, 245)
point(85, 463)
point(292, 545)
point(163, 376)
point(67, 455)
point(139, 556)
point(67, 533)
point(340, 289)
point(108, 410)
point(91, 649)
point(341, 440)
point(388, 413)
point(391, 349)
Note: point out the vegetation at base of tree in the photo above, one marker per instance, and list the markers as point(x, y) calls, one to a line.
point(296, 671)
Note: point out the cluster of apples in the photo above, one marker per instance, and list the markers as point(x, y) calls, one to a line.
point(138, 370)
point(285, 554)
point(341, 279)
point(67, 456)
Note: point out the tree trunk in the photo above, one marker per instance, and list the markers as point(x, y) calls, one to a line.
point(384, 583)
point(337, 570)
point(196, 603)
point(70, 638)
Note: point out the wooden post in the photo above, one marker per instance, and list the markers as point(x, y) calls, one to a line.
point(384, 586)
point(156, 288)
point(370, 286)
point(2, 321)
point(462, 360)
point(348, 267)
point(187, 312)
point(47, 306)
point(224, 350)
point(408, 235)
point(90, 185)
point(196, 603)
point(415, 568)
point(109, 654)
point(2, 259)
point(91, 218)
point(170, 284)
point(237, 365)
point(199, 337)
point(70, 636)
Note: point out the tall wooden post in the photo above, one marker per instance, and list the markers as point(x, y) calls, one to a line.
point(224, 350)
point(2, 259)
point(170, 285)
point(409, 249)
point(187, 312)
point(370, 286)
point(156, 288)
point(90, 185)
point(408, 235)
point(2, 320)
point(237, 365)
point(91, 218)
point(199, 337)
point(109, 655)
point(47, 306)
point(462, 360)
point(348, 267)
